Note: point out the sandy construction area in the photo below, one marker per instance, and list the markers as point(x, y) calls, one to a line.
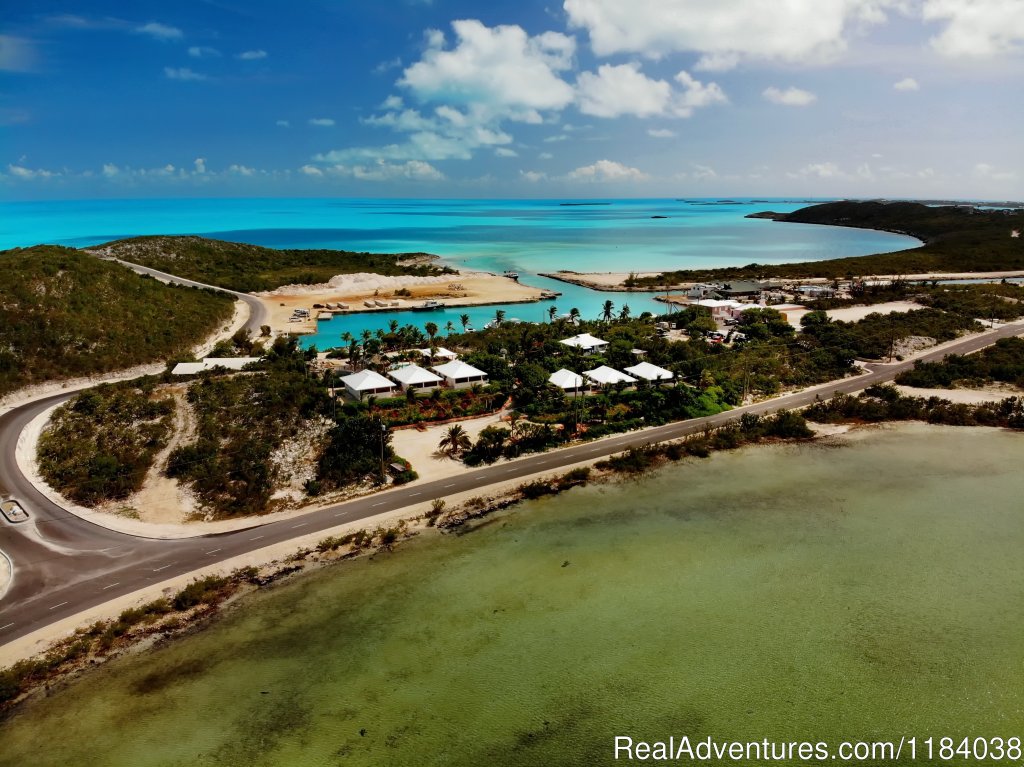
point(465, 289)
point(420, 447)
point(857, 313)
point(964, 396)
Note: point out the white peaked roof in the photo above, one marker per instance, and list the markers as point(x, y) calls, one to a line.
point(584, 341)
point(209, 363)
point(607, 375)
point(566, 379)
point(459, 369)
point(367, 380)
point(650, 372)
point(441, 352)
point(413, 374)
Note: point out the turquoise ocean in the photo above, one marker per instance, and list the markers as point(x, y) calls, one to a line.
point(526, 236)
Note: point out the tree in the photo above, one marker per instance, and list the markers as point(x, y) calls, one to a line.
point(454, 441)
point(574, 316)
point(358, 447)
point(449, 327)
point(552, 311)
point(624, 312)
point(464, 319)
point(393, 326)
point(499, 317)
point(265, 331)
point(431, 328)
point(607, 310)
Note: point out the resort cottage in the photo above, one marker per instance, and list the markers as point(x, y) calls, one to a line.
point(440, 353)
point(649, 372)
point(567, 381)
point(367, 382)
point(586, 343)
point(415, 377)
point(606, 376)
point(459, 375)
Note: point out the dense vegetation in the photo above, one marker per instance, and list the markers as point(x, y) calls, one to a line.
point(251, 268)
point(1002, 363)
point(956, 239)
point(885, 403)
point(875, 336)
point(64, 313)
point(100, 445)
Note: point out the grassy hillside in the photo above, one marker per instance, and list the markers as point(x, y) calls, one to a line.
point(64, 313)
point(251, 268)
point(956, 239)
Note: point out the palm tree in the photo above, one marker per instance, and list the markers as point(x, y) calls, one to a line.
point(454, 441)
point(367, 334)
point(574, 315)
point(464, 319)
point(393, 326)
point(431, 329)
point(607, 311)
point(499, 316)
point(346, 337)
point(552, 311)
point(624, 312)
point(449, 327)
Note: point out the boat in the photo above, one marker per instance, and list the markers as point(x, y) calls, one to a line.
point(428, 306)
point(549, 294)
point(512, 275)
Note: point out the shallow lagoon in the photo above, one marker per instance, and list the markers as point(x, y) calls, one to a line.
point(867, 586)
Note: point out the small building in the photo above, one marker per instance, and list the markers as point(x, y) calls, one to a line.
point(606, 376)
point(567, 381)
point(440, 353)
point(415, 377)
point(650, 372)
point(724, 309)
point(209, 363)
point(366, 383)
point(459, 375)
point(586, 343)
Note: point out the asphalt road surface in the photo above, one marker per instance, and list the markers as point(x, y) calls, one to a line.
point(64, 564)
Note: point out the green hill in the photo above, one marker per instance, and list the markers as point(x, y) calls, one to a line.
point(64, 313)
point(252, 268)
point(956, 239)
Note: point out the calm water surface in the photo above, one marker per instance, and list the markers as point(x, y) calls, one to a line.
point(865, 588)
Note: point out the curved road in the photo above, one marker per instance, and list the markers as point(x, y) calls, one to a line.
point(64, 564)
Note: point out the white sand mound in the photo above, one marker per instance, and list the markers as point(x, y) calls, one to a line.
point(359, 283)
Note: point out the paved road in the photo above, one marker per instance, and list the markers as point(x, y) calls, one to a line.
point(257, 310)
point(69, 564)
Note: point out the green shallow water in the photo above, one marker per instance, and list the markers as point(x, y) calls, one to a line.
point(865, 587)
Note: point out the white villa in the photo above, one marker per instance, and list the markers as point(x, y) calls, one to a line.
point(440, 353)
point(459, 375)
point(415, 377)
point(367, 382)
point(650, 372)
point(209, 363)
point(604, 376)
point(586, 343)
point(567, 381)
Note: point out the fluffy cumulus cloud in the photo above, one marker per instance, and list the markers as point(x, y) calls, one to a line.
point(607, 170)
point(976, 28)
point(725, 31)
point(790, 97)
point(203, 52)
point(907, 84)
point(500, 68)
point(624, 90)
point(252, 55)
point(184, 74)
point(160, 31)
point(381, 170)
point(27, 174)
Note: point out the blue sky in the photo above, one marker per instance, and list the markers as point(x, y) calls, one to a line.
point(589, 98)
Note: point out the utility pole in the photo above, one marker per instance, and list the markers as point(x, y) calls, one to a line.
point(383, 432)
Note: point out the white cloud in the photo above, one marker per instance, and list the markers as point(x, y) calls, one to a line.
point(661, 133)
point(203, 52)
point(717, 62)
point(321, 122)
point(791, 97)
point(704, 172)
point(976, 28)
point(17, 54)
point(183, 73)
point(392, 102)
point(607, 170)
point(200, 165)
point(624, 90)
point(283, 124)
point(545, 156)
point(532, 176)
point(498, 69)
point(907, 84)
point(110, 170)
point(556, 138)
point(725, 31)
point(990, 173)
point(252, 55)
point(311, 170)
point(241, 170)
point(819, 170)
point(20, 171)
point(387, 66)
point(505, 152)
point(411, 170)
point(160, 31)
